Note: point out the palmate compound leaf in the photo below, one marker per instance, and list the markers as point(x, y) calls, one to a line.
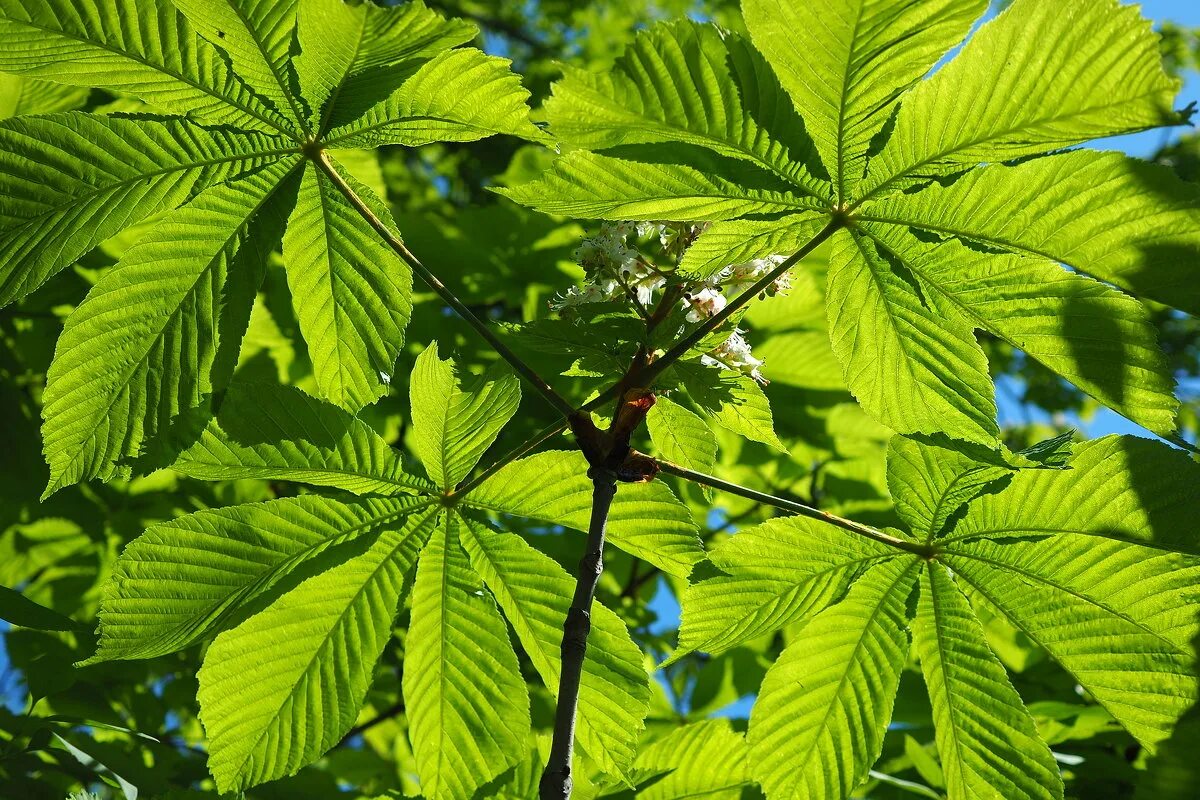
point(1095, 562)
point(849, 69)
point(467, 705)
point(270, 710)
point(821, 713)
point(183, 295)
point(646, 520)
point(351, 293)
point(534, 593)
point(269, 579)
point(452, 427)
point(1098, 565)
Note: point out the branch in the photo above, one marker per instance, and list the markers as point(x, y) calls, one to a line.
point(556, 782)
point(798, 509)
point(321, 158)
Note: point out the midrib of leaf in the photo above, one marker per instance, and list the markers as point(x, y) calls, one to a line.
point(842, 100)
point(1014, 247)
point(125, 374)
point(336, 92)
point(441, 648)
point(883, 598)
point(283, 85)
point(383, 563)
point(215, 611)
point(931, 531)
point(162, 68)
point(995, 135)
point(950, 705)
point(1034, 578)
point(121, 184)
point(326, 220)
point(416, 487)
point(887, 302)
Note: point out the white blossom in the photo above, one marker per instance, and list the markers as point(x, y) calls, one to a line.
point(734, 353)
point(704, 304)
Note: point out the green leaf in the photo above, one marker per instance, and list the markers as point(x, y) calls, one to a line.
point(845, 62)
point(703, 759)
point(593, 186)
point(183, 296)
point(1117, 487)
point(273, 432)
point(467, 706)
point(351, 292)
point(229, 558)
point(286, 685)
point(17, 609)
point(348, 50)
point(739, 241)
point(646, 520)
point(535, 593)
point(146, 49)
point(403, 33)
point(459, 96)
point(1038, 77)
point(27, 96)
point(681, 436)
point(452, 427)
point(930, 484)
point(257, 36)
point(818, 723)
point(759, 592)
point(731, 400)
point(690, 83)
point(987, 740)
point(1097, 338)
point(1118, 219)
point(54, 212)
point(912, 367)
point(1117, 616)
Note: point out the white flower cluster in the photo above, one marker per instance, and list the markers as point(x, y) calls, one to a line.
point(616, 270)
